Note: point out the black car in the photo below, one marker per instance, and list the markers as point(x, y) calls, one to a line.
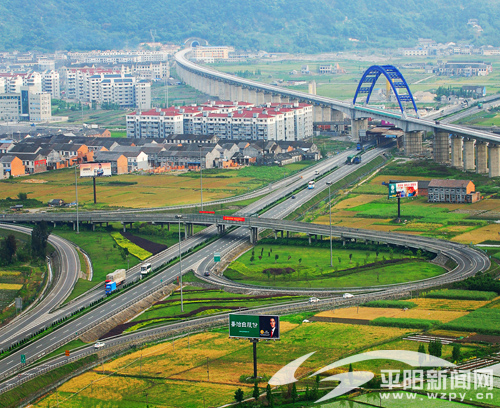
point(207, 273)
point(293, 197)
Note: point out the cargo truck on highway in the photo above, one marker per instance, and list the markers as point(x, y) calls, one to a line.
point(114, 279)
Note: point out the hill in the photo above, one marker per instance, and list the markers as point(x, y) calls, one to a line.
point(279, 25)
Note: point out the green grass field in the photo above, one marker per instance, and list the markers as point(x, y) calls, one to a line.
point(313, 269)
point(199, 302)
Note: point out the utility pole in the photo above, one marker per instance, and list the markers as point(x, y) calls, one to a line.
point(201, 179)
point(179, 216)
point(76, 194)
point(329, 183)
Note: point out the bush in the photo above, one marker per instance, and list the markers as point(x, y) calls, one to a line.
point(404, 323)
point(460, 294)
point(395, 304)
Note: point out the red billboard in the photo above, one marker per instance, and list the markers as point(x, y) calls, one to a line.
point(207, 212)
point(230, 218)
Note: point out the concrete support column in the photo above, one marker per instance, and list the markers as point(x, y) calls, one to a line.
point(276, 98)
point(252, 96)
point(336, 116)
point(124, 227)
point(356, 126)
point(317, 113)
point(285, 99)
point(238, 93)
point(469, 161)
point(268, 98)
point(413, 143)
point(309, 236)
point(441, 147)
point(244, 95)
point(227, 91)
point(214, 87)
point(482, 157)
point(275, 235)
point(494, 156)
point(327, 114)
point(456, 151)
point(260, 98)
point(220, 89)
point(254, 235)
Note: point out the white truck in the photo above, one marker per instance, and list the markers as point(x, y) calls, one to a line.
point(117, 276)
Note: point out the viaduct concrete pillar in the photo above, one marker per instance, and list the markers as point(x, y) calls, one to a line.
point(220, 89)
point(285, 99)
point(441, 147)
point(260, 98)
point(356, 126)
point(268, 97)
point(244, 95)
point(238, 93)
point(413, 143)
point(456, 151)
point(469, 162)
point(227, 91)
point(482, 157)
point(327, 113)
point(276, 99)
point(317, 113)
point(252, 96)
point(215, 88)
point(494, 156)
point(336, 116)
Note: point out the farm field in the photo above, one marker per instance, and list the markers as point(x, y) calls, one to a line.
point(449, 304)
point(302, 266)
point(103, 118)
point(370, 313)
point(175, 373)
point(137, 191)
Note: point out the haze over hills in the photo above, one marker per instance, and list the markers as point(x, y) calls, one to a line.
point(279, 25)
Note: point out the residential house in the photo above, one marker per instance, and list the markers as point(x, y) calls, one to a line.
point(11, 165)
point(119, 163)
point(452, 191)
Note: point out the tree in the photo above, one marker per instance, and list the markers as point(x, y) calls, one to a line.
point(252, 258)
point(456, 354)
point(340, 260)
point(421, 350)
point(269, 396)
point(8, 249)
point(350, 368)
point(300, 261)
point(350, 258)
point(435, 348)
point(39, 237)
point(238, 395)
point(22, 196)
point(294, 393)
point(276, 258)
point(256, 391)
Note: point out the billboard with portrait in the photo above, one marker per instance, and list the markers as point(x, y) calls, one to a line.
point(95, 169)
point(254, 327)
point(404, 189)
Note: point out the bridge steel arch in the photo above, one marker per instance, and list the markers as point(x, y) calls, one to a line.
point(394, 77)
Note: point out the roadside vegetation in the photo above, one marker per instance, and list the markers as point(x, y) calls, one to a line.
point(293, 263)
point(23, 268)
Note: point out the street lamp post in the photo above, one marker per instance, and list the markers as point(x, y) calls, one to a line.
point(201, 179)
point(76, 194)
point(180, 260)
point(329, 183)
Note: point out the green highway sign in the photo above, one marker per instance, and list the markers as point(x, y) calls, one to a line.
point(216, 257)
point(23, 358)
point(254, 327)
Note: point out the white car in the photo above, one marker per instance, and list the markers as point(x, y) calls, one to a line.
point(347, 296)
point(313, 300)
point(99, 344)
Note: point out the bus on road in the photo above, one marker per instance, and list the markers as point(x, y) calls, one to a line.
point(145, 269)
point(311, 185)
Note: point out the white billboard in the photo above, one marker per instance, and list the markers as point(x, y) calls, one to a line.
point(95, 169)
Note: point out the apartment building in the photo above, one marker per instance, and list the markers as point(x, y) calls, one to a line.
point(25, 106)
point(226, 120)
point(107, 86)
point(210, 54)
point(464, 69)
point(452, 191)
point(51, 83)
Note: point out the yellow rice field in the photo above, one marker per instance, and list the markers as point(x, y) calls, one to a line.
point(10, 286)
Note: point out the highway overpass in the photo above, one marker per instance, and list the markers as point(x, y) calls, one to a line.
point(472, 150)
